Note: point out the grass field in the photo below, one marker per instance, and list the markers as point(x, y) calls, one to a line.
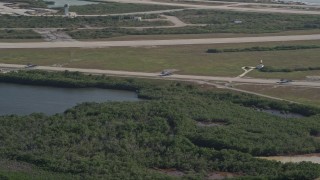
point(303, 95)
point(209, 35)
point(189, 59)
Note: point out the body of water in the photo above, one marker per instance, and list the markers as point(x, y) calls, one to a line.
point(24, 99)
point(315, 2)
point(280, 114)
point(61, 3)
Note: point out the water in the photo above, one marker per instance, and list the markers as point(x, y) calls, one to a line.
point(61, 3)
point(23, 99)
point(280, 114)
point(315, 2)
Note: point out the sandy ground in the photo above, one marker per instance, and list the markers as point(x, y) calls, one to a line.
point(314, 158)
point(137, 43)
point(8, 10)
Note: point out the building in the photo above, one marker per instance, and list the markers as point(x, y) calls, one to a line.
point(66, 9)
point(260, 66)
point(137, 18)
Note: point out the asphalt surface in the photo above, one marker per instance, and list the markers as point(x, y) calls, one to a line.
point(137, 43)
point(174, 76)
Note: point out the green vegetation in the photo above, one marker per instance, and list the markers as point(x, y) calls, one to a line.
point(217, 22)
point(62, 22)
point(273, 69)
point(128, 140)
point(113, 7)
point(258, 48)
point(15, 170)
point(19, 34)
point(115, 32)
point(223, 21)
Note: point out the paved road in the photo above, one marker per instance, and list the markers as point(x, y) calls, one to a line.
point(174, 76)
point(101, 44)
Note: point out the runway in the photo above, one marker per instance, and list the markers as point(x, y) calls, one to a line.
point(171, 42)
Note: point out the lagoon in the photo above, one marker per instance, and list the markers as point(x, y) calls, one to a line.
point(25, 99)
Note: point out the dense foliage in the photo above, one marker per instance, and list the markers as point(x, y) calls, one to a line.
point(274, 69)
point(259, 48)
point(112, 8)
point(63, 22)
point(217, 22)
point(131, 140)
point(18, 34)
point(226, 21)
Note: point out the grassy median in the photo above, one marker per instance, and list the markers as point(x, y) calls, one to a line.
point(188, 59)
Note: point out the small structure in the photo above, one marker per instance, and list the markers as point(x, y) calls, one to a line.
point(66, 9)
point(137, 18)
point(260, 66)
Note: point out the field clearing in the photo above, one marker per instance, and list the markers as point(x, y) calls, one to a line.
point(303, 95)
point(189, 59)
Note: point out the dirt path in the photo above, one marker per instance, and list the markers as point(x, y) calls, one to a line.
point(137, 43)
point(246, 69)
point(178, 23)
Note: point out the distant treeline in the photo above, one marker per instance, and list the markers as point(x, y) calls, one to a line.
point(258, 48)
point(272, 69)
point(7, 21)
